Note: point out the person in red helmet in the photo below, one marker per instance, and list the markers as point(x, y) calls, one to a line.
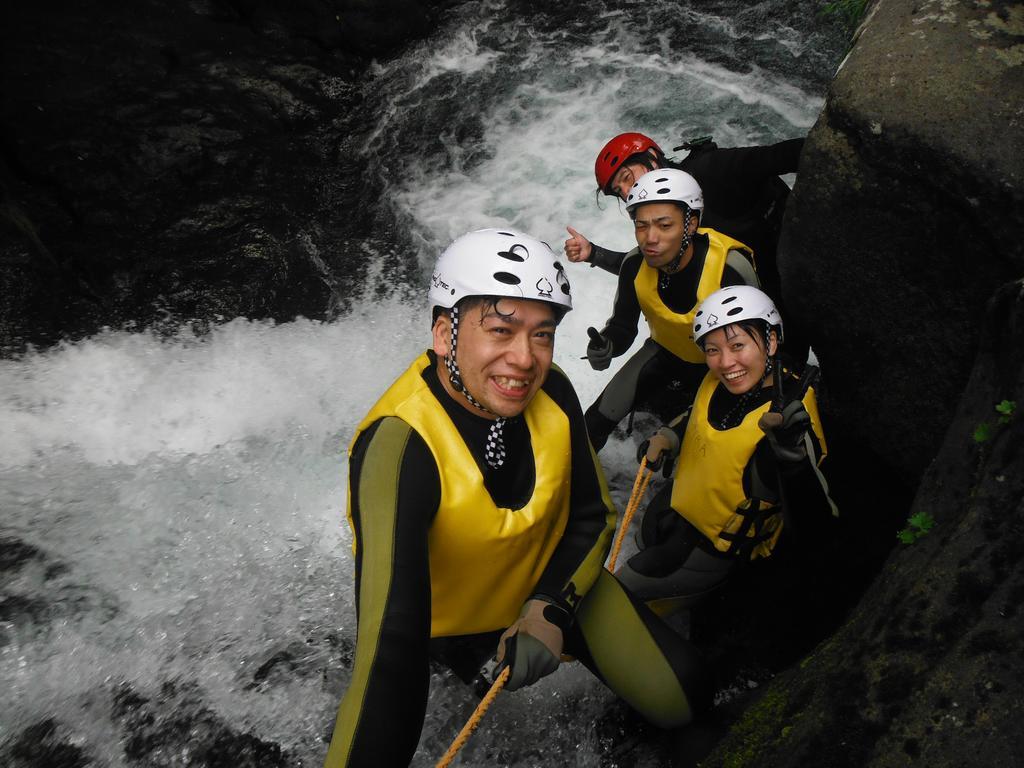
point(743, 195)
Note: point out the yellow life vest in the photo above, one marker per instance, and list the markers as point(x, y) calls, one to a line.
point(707, 487)
point(485, 560)
point(674, 330)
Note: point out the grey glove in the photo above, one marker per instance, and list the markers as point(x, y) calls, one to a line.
point(660, 450)
point(532, 646)
point(787, 439)
point(599, 350)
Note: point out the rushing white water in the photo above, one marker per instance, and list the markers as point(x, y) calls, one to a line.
point(181, 500)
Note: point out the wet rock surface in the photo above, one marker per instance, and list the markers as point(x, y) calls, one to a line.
point(928, 668)
point(906, 216)
point(192, 161)
point(38, 591)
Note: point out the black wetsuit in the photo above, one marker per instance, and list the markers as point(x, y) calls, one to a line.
point(613, 633)
point(654, 377)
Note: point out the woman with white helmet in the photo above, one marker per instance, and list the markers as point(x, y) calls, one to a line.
point(481, 518)
point(751, 441)
point(675, 266)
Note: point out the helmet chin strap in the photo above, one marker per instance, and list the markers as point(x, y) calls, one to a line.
point(494, 452)
point(669, 269)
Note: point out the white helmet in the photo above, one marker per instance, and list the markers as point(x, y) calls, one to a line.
point(499, 262)
point(732, 304)
point(668, 185)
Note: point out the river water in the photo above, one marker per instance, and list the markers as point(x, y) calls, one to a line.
point(177, 578)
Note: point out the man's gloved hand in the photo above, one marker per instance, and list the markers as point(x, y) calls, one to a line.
point(532, 646)
point(787, 439)
point(660, 451)
point(599, 350)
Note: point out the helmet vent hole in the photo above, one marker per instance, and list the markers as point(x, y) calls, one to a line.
point(507, 278)
point(515, 253)
point(506, 234)
point(734, 311)
point(729, 299)
point(664, 190)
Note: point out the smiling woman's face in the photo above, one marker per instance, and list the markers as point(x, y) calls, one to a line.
point(737, 358)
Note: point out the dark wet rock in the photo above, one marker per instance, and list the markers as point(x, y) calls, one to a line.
point(34, 593)
point(44, 745)
point(904, 222)
point(175, 725)
point(929, 668)
point(907, 214)
point(14, 553)
point(166, 162)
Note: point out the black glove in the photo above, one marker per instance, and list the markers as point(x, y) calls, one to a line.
point(787, 439)
point(599, 350)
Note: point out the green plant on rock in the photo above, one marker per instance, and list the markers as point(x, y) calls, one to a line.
point(918, 526)
point(984, 431)
point(1006, 409)
point(850, 12)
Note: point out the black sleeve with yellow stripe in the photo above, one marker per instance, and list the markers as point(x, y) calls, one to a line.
point(393, 475)
point(581, 553)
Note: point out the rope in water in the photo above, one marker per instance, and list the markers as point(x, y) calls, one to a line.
point(474, 719)
point(639, 487)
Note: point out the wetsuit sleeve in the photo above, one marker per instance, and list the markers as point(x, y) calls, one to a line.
point(678, 424)
point(739, 267)
point(621, 327)
point(809, 510)
point(580, 555)
point(394, 492)
point(752, 164)
point(608, 260)
point(734, 177)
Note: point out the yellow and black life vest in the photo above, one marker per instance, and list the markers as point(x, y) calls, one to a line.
point(485, 560)
point(674, 330)
point(707, 487)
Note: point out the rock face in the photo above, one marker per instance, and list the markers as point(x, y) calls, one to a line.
point(928, 670)
point(907, 214)
point(903, 230)
point(143, 174)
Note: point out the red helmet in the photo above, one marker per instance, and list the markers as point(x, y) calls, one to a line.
point(615, 153)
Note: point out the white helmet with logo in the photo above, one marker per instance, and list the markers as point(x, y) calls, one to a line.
point(499, 262)
point(731, 305)
point(666, 185)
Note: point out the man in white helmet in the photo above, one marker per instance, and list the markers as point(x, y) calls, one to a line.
point(481, 518)
point(744, 198)
point(675, 265)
